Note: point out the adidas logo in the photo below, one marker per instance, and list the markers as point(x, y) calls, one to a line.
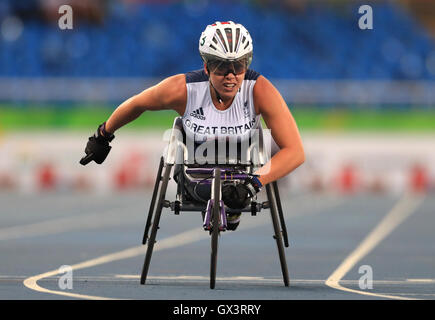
point(198, 113)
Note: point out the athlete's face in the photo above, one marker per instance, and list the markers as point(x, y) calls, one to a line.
point(226, 80)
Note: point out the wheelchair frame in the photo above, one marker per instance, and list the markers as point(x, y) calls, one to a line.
point(214, 209)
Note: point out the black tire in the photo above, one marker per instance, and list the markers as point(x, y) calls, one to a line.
point(153, 202)
point(215, 227)
point(155, 224)
point(280, 214)
point(278, 235)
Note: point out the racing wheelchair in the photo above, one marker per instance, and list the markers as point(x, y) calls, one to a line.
point(210, 176)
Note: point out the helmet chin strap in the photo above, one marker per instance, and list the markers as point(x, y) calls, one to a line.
point(218, 96)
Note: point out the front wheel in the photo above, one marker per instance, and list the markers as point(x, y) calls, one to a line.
point(215, 226)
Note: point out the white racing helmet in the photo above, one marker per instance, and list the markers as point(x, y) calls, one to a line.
point(227, 41)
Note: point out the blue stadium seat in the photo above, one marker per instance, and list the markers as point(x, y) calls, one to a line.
point(155, 40)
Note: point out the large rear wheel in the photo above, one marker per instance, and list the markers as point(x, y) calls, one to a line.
point(153, 201)
point(277, 236)
point(155, 223)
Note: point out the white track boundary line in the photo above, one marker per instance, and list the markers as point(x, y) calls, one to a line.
point(167, 243)
point(402, 210)
point(186, 237)
point(181, 239)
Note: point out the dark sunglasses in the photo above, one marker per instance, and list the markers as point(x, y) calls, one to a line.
point(222, 68)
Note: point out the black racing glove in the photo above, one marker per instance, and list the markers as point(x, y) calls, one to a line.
point(98, 147)
point(237, 196)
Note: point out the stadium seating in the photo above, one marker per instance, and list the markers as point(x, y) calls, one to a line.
point(156, 40)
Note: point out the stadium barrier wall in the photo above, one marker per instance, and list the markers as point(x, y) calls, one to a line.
point(344, 164)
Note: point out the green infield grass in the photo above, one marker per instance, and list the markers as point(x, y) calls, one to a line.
point(308, 119)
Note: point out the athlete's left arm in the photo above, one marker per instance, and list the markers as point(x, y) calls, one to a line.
point(278, 118)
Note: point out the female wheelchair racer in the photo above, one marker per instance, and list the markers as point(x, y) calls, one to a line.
point(224, 94)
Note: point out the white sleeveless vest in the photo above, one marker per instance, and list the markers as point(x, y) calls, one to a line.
point(202, 121)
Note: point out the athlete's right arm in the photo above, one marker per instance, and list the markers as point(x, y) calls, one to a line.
point(169, 94)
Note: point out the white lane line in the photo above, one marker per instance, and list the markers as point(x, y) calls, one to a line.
point(402, 210)
point(417, 294)
point(254, 279)
point(200, 278)
point(135, 277)
point(421, 280)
